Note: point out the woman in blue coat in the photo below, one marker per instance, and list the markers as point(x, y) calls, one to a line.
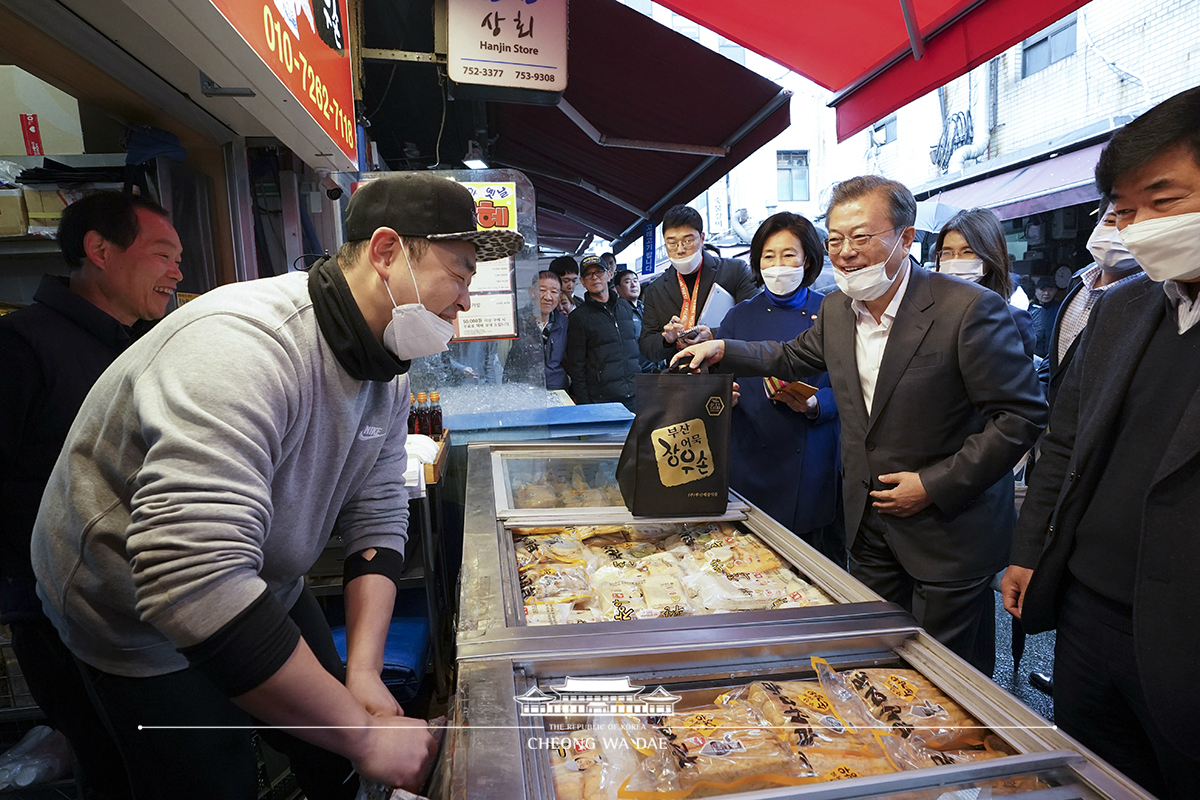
point(785, 458)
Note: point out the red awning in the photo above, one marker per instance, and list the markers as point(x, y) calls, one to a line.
point(863, 50)
point(644, 84)
point(1043, 186)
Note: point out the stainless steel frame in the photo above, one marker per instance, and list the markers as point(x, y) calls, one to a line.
point(488, 752)
point(491, 749)
point(491, 606)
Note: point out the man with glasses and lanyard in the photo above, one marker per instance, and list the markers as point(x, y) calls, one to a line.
point(674, 302)
point(938, 402)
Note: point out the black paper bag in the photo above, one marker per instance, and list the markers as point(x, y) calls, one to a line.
point(675, 461)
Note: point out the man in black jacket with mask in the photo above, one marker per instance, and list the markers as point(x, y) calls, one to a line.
point(675, 301)
point(602, 350)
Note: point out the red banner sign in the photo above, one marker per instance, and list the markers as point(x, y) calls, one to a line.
point(306, 44)
point(32, 134)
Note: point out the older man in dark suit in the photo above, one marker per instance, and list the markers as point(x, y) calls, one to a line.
point(938, 402)
point(1108, 547)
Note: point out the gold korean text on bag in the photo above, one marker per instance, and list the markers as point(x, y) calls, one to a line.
point(682, 453)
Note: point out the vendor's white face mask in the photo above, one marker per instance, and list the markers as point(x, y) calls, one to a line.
point(414, 331)
point(1168, 248)
point(969, 269)
point(1110, 252)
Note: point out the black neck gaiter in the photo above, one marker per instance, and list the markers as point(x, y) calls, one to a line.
point(344, 328)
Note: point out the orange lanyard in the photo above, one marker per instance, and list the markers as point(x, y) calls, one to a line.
point(687, 314)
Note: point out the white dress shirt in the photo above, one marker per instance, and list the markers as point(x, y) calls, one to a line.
point(1187, 310)
point(870, 337)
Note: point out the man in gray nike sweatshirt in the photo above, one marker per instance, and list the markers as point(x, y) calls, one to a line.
point(202, 478)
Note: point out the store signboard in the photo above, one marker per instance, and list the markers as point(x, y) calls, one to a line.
point(306, 45)
point(648, 247)
point(516, 43)
point(493, 313)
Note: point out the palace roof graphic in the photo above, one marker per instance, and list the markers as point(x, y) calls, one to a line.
point(596, 696)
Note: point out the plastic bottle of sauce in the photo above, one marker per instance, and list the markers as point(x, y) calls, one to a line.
point(435, 415)
point(422, 413)
point(412, 413)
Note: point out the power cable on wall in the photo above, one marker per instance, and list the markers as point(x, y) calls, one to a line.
point(437, 148)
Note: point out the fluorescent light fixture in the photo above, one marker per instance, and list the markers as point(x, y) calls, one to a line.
point(474, 157)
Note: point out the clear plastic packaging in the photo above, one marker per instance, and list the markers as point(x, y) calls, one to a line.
point(42, 755)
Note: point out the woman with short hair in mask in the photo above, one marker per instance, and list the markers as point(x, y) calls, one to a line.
point(785, 453)
point(971, 246)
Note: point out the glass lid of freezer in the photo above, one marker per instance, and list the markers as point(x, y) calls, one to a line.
point(550, 480)
point(617, 572)
point(855, 723)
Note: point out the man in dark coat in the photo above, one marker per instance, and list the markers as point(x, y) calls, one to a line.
point(938, 402)
point(674, 302)
point(602, 353)
point(124, 258)
point(1106, 547)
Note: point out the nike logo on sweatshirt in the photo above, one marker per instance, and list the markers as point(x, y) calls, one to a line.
point(370, 432)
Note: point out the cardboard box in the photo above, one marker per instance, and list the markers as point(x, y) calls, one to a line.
point(13, 218)
point(44, 208)
point(58, 129)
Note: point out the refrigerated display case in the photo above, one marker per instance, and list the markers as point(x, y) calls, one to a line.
point(502, 736)
point(519, 494)
point(497, 748)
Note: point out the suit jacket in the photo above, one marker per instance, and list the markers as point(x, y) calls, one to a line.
point(956, 401)
point(1166, 607)
point(1058, 368)
point(662, 299)
point(780, 460)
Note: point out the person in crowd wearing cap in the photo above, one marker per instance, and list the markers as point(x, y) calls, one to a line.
point(784, 453)
point(1047, 298)
point(938, 402)
point(1106, 547)
point(124, 256)
point(602, 352)
point(202, 479)
point(567, 270)
point(541, 344)
point(971, 246)
point(675, 301)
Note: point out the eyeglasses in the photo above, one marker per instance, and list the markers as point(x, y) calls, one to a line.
point(835, 244)
point(686, 243)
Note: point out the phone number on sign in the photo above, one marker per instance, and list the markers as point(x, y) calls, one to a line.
point(483, 72)
point(534, 76)
point(279, 42)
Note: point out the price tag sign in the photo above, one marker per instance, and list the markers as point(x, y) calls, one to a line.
point(517, 43)
point(493, 313)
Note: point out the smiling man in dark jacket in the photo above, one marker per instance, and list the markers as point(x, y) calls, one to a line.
point(602, 350)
